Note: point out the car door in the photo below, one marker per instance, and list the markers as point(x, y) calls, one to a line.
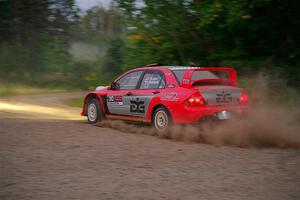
point(151, 84)
point(118, 100)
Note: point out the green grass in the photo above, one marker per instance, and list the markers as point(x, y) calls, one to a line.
point(20, 89)
point(75, 102)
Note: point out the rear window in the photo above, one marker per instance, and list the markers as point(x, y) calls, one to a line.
point(213, 78)
point(199, 75)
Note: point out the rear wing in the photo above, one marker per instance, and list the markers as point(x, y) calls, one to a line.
point(187, 81)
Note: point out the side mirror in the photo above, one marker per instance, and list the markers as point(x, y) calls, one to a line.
point(115, 86)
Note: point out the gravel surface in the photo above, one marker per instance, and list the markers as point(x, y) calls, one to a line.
point(43, 156)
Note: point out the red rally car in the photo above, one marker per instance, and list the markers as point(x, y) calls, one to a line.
point(163, 95)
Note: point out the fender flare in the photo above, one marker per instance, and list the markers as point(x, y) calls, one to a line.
point(87, 97)
point(155, 103)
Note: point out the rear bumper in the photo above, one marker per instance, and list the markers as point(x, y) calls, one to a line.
point(193, 114)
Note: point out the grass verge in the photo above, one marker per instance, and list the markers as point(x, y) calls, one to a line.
point(19, 89)
point(75, 102)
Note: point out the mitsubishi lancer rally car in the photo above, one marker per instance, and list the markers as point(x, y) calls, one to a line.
point(165, 95)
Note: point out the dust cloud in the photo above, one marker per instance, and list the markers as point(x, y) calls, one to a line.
point(268, 124)
point(85, 51)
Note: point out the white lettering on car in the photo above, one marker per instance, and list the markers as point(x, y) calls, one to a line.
point(170, 96)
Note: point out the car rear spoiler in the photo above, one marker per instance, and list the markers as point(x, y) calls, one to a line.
point(187, 77)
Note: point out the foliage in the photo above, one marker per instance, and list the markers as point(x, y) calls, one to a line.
point(40, 29)
point(50, 42)
point(248, 35)
point(37, 40)
point(114, 58)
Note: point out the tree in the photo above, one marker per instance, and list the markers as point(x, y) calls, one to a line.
point(32, 24)
point(114, 58)
point(246, 34)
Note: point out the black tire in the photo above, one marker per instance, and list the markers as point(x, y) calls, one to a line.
point(161, 119)
point(94, 111)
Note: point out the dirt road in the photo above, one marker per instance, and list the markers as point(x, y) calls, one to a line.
point(47, 151)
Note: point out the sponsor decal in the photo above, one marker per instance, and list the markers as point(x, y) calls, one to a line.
point(118, 98)
point(110, 98)
point(170, 86)
point(168, 73)
point(170, 96)
point(115, 99)
point(137, 106)
point(224, 98)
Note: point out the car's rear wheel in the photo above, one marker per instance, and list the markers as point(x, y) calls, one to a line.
point(161, 119)
point(94, 111)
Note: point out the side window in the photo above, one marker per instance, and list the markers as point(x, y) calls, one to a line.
point(130, 81)
point(152, 80)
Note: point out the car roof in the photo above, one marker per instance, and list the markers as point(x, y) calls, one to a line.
point(183, 67)
point(170, 67)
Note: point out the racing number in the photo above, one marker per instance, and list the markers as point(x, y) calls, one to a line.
point(137, 106)
point(224, 98)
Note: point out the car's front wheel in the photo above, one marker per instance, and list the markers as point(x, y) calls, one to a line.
point(161, 119)
point(94, 111)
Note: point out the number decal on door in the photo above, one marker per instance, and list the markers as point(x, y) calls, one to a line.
point(137, 106)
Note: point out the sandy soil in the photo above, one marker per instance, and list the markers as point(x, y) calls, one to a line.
point(47, 151)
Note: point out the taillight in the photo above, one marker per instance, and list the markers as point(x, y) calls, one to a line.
point(195, 101)
point(244, 97)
